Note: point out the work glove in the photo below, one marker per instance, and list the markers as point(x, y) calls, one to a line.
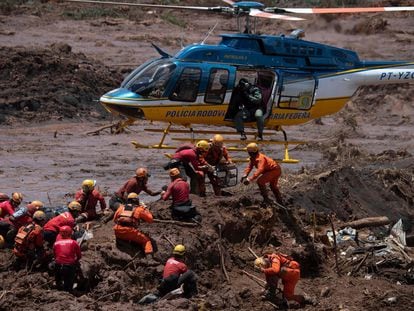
point(243, 179)
point(246, 181)
point(164, 188)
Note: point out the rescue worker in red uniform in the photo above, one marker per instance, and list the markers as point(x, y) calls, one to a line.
point(127, 218)
point(217, 155)
point(280, 266)
point(267, 171)
point(88, 197)
point(176, 273)
point(195, 165)
point(67, 254)
point(52, 227)
point(28, 245)
point(7, 208)
point(135, 184)
point(179, 190)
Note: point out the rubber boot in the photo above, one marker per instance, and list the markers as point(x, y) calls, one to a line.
point(265, 195)
point(278, 196)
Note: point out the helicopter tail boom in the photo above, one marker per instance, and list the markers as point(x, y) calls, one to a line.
point(403, 73)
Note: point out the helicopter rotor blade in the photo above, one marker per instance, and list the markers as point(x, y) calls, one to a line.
point(259, 13)
point(339, 10)
point(179, 7)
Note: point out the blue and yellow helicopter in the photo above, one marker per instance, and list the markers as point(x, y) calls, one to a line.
point(300, 80)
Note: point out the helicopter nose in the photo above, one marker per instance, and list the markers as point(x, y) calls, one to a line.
point(124, 102)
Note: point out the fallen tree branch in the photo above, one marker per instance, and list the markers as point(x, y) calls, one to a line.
point(253, 253)
point(168, 239)
point(259, 281)
point(335, 246)
point(359, 265)
point(223, 266)
point(175, 222)
point(367, 222)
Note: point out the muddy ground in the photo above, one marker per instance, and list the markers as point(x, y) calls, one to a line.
point(58, 58)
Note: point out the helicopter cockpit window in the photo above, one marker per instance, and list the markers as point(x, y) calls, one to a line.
point(297, 91)
point(217, 86)
point(187, 85)
point(151, 81)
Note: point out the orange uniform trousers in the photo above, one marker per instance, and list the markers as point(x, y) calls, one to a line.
point(132, 234)
point(271, 177)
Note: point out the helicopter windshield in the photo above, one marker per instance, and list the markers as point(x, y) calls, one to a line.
point(152, 79)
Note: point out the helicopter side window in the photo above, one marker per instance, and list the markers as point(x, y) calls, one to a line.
point(217, 86)
point(297, 92)
point(187, 85)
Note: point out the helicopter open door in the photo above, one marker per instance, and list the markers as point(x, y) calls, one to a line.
point(266, 80)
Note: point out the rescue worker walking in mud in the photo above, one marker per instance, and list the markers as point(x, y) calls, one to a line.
point(127, 218)
point(88, 197)
point(28, 245)
point(195, 165)
point(216, 156)
point(179, 191)
point(67, 254)
point(52, 227)
point(280, 266)
point(135, 184)
point(176, 273)
point(267, 171)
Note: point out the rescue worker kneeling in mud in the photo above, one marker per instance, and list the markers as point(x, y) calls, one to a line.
point(179, 190)
point(67, 254)
point(127, 218)
point(28, 245)
point(88, 197)
point(267, 171)
point(52, 227)
point(176, 273)
point(217, 156)
point(135, 184)
point(280, 266)
point(7, 208)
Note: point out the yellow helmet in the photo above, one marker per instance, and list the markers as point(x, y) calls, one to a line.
point(203, 145)
point(1, 241)
point(260, 262)
point(75, 206)
point(252, 147)
point(141, 172)
point(17, 197)
point(39, 216)
point(37, 204)
point(174, 172)
point(217, 139)
point(179, 250)
point(88, 184)
point(132, 196)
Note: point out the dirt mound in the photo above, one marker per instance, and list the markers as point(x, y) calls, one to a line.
point(44, 84)
point(370, 26)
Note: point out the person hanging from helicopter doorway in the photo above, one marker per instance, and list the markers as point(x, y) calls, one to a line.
point(248, 97)
point(267, 171)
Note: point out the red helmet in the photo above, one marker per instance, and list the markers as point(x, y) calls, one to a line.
point(65, 231)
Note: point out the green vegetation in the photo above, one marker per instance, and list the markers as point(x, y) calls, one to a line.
point(92, 12)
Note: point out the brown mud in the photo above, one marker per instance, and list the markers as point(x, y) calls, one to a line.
point(358, 163)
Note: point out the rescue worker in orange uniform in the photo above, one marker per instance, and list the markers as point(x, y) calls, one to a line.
point(176, 273)
point(88, 197)
point(195, 165)
point(280, 266)
point(135, 184)
point(217, 155)
point(267, 171)
point(7, 208)
point(28, 245)
point(67, 254)
point(127, 218)
point(52, 227)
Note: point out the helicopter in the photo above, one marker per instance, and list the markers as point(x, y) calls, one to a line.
point(300, 80)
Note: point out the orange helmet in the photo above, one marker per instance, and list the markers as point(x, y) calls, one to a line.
point(174, 172)
point(141, 172)
point(17, 197)
point(65, 231)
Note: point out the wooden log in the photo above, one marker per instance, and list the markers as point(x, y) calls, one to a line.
point(175, 222)
point(367, 222)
